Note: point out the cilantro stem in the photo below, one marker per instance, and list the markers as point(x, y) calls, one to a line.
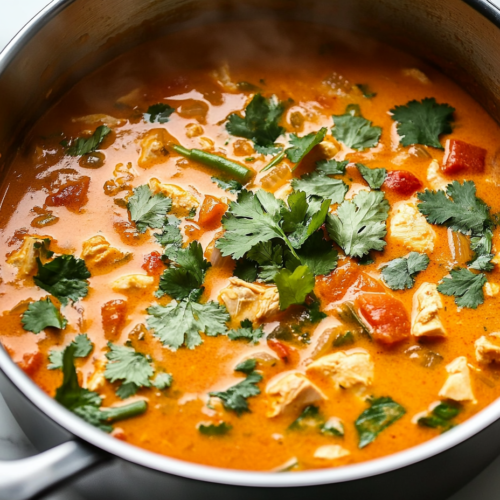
point(126, 411)
point(277, 159)
point(232, 168)
point(287, 241)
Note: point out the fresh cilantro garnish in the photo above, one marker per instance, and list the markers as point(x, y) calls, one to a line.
point(331, 167)
point(314, 314)
point(64, 277)
point(318, 254)
point(344, 339)
point(359, 225)
point(440, 417)
point(375, 177)
point(246, 332)
point(365, 90)
point(246, 270)
point(235, 398)
point(170, 237)
point(42, 314)
point(461, 211)
point(247, 366)
point(180, 323)
point(333, 427)
point(466, 286)
point(83, 146)
point(309, 418)
point(147, 210)
point(270, 259)
point(319, 184)
point(482, 263)
point(303, 145)
point(87, 404)
point(158, 113)
point(214, 429)
point(83, 347)
point(260, 123)
point(423, 122)
point(400, 273)
point(355, 131)
point(294, 287)
point(186, 274)
point(382, 413)
point(130, 367)
point(162, 381)
point(232, 186)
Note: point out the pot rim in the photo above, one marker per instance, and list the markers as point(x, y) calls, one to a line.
point(145, 458)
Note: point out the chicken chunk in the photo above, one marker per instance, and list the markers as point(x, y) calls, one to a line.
point(291, 390)
point(425, 321)
point(409, 227)
point(24, 259)
point(491, 289)
point(458, 384)
point(182, 201)
point(132, 282)
point(329, 147)
point(416, 74)
point(435, 178)
point(96, 380)
point(284, 191)
point(488, 348)
point(154, 148)
point(346, 368)
point(97, 251)
point(331, 452)
point(249, 300)
point(100, 119)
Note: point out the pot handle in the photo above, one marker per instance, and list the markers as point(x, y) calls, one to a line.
point(24, 479)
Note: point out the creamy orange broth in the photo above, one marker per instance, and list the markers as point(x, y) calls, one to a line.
point(291, 61)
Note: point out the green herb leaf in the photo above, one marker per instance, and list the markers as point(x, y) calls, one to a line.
point(303, 145)
point(440, 417)
point(246, 270)
point(318, 254)
point(331, 167)
point(162, 381)
point(344, 339)
point(315, 315)
point(423, 122)
point(333, 427)
point(382, 413)
point(83, 146)
point(170, 237)
point(232, 186)
point(147, 210)
point(246, 332)
point(260, 123)
point(247, 366)
point(400, 273)
point(83, 347)
point(318, 184)
point(158, 113)
point(359, 225)
point(354, 131)
point(365, 90)
point(41, 315)
point(466, 286)
point(214, 429)
point(375, 177)
point(309, 418)
point(294, 287)
point(180, 323)
point(64, 277)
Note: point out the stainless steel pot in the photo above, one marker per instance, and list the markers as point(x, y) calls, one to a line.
point(72, 37)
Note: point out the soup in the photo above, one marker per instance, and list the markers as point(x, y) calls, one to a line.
point(260, 246)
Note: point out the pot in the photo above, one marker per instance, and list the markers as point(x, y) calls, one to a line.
point(70, 38)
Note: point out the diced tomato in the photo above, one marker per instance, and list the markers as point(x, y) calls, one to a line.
point(114, 314)
point(402, 182)
point(31, 362)
point(211, 213)
point(460, 155)
point(73, 195)
point(153, 265)
point(282, 350)
point(385, 315)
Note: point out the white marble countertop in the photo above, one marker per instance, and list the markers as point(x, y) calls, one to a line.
point(13, 442)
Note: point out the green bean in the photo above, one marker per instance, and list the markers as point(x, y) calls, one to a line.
point(123, 412)
point(240, 172)
point(277, 159)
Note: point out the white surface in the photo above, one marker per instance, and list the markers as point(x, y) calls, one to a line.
point(13, 443)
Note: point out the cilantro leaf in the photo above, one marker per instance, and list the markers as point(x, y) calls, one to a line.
point(86, 404)
point(331, 167)
point(354, 131)
point(260, 123)
point(294, 287)
point(400, 273)
point(186, 274)
point(466, 286)
point(64, 277)
point(147, 210)
point(483, 263)
point(132, 368)
point(375, 177)
point(303, 145)
point(83, 347)
point(319, 184)
point(180, 323)
point(232, 186)
point(365, 90)
point(246, 332)
point(440, 416)
point(247, 366)
point(158, 113)
point(42, 314)
point(309, 418)
point(235, 398)
point(461, 211)
point(359, 225)
point(382, 413)
point(162, 381)
point(214, 429)
point(246, 270)
point(423, 122)
point(170, 237)
point(318, 254)
point(83, 146)
point(315, 315)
